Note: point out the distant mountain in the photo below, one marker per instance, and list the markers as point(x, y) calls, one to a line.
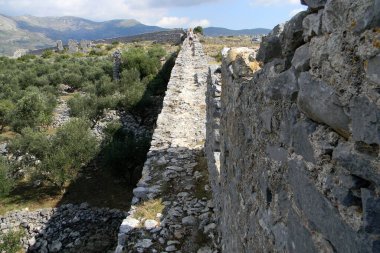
point(30, 32)
point(218, 31)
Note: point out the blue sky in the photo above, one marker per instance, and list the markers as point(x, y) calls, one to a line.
point(231, 14)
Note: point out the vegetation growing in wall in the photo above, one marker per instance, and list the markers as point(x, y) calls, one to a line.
point(11, 241)
point(198, 30)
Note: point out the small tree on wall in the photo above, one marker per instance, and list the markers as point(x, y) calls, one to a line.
point(198, 30)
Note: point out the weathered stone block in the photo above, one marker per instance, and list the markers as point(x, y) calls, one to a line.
point(300, 239)
point(364, 14)
point(356, 163)
point(373, 69)
point(331, 22)
point(301, 59)
point(266, 118)
point(291, 37)
point(270, 47)
point(284, 86)
point(314, 4)
point(277, 153)
point(365, 116)
point(59, 46)
point(73, 46)
point(321, 215)
point(312, 25)
point(319, 102)
point(371, 212)
point(300, 139)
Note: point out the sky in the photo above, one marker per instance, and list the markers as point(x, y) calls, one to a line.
point(232, 14)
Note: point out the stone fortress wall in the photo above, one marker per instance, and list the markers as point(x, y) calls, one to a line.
point(293, 148)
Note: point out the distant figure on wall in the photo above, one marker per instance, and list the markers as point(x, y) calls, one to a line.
point(190, 35)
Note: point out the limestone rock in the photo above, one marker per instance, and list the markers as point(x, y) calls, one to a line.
point(73, 46)
point(55, 246)
point(150, 224)
point(314, 4)
point(365, 116)
point(372, 71)
point(271, 47)
point(291, 37)
point(128, 225)
point(59, 46)
point(312, 25)
point(301, 59)
point(320, 103)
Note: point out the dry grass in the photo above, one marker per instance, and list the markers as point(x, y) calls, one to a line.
point(27, 196)
point(7, 135)
point(149, 209)
point(213, 45)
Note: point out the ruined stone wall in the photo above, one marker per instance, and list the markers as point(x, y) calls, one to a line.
point(172, 207)
point(299, 139)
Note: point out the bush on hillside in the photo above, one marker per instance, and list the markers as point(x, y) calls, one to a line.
point(31, 141)
point(32, 110)
point(72, 147)
point(83, 106)
point(6, 181)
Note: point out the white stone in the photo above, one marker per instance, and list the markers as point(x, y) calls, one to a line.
point(32, 241)
point(144, 243)
point(172, 242)
point(170, 248)
point(204, 250)
point(209, 228)
point(128, 225)
point(150, 224)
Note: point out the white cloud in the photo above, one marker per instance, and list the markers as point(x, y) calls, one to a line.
point(295, 11)
point(274, 2)
point(175, 3)
point(176, 22)
point(202, 22)
point(151, 12)
point(95, 10)
point(172, 22)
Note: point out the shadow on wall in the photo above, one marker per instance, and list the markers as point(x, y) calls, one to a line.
point(83, 220)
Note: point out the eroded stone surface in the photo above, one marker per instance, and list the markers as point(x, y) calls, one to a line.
point(296, 164)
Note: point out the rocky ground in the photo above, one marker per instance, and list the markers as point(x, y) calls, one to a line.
point(68, 228)
point(172, 210)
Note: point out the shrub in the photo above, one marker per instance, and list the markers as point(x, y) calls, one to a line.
point(32, 142)
point(83, 106)
point(47, 54)
point(31, 110)
point(6, 181)
point(72, 147)
point(133, 95)
point(11, 242)
point(138, 59)
point(198, 29)
point(6, 106)
point(72, 79)
point(157, 52)
point(105, 86)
